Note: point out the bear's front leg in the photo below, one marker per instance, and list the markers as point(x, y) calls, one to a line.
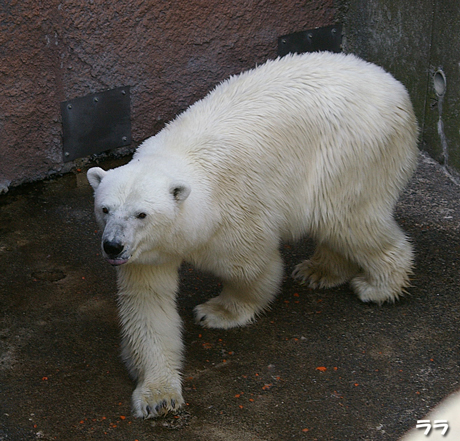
point(247, 291)
point(151, 331)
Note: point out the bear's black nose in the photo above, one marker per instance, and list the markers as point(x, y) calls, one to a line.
point(113, 249)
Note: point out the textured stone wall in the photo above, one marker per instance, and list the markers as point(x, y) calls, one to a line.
point(415, 41)
point(170, 53)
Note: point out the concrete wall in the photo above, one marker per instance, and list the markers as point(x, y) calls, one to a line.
point(170, 52)
point(415, 40)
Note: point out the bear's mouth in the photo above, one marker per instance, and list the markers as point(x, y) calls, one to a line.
point(117, 262)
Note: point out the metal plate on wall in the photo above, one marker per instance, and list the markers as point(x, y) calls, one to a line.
point(96, 123)
point(328, 38)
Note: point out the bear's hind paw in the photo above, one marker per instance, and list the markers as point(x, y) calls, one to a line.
point(378, 293)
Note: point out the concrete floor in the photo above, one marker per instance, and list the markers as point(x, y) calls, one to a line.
point(319, 366)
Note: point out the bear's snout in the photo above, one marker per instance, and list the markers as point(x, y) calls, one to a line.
point(113, 249)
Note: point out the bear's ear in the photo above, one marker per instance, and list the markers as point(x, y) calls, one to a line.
point(95, 176)
point(180, 191)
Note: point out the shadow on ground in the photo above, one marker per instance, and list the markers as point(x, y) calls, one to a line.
point(319, 366)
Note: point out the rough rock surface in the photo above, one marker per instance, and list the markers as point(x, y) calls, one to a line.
point(320, 365)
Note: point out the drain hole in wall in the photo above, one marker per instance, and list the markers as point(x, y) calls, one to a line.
point(439, 83)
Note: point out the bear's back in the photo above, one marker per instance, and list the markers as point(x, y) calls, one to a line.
point(316, 100)
point(297, 135)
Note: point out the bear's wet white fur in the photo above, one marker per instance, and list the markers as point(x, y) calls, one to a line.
point(316, 144)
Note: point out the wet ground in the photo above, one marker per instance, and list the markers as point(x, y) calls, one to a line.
point(319, 366)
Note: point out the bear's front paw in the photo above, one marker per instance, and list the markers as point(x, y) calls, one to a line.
point(150, 401)
point(315, 276)
point(216, 313)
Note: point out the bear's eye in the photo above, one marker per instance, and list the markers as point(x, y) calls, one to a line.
point(176, 192)
point(105, 210)
point(141, 216)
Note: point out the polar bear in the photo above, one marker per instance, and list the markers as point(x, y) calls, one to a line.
point(318, 144)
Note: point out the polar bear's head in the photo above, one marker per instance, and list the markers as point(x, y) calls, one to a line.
point(137, 211)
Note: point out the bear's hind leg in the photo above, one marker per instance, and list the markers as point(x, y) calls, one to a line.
point(386, 260)
point(325, 269)
point(243, 297)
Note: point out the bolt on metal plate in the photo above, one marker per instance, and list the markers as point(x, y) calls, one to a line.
point(96, 123)
point(328, 38)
